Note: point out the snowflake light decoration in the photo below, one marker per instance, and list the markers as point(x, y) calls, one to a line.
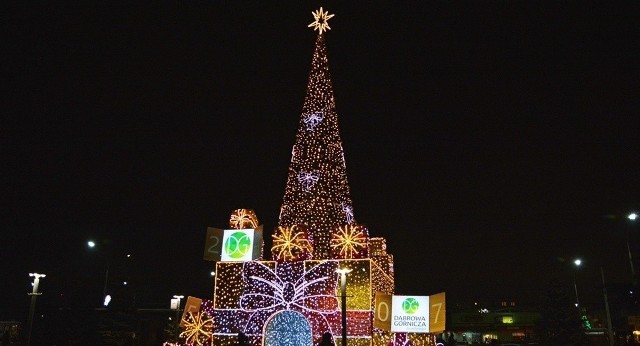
point(312, 120)
point(350, 241)
point(292, 244)
point(308, 179)
point(299, 286)
point(321, 20)
point(243, 218)
point(198, 328)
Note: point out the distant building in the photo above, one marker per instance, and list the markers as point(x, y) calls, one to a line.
point(502, 326)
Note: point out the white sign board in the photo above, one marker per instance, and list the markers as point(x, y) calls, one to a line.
point(410, 314)
point(174, 304)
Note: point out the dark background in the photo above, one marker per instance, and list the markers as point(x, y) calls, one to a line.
point(488, 141)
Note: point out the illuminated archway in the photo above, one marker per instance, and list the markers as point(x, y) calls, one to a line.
point(287, 328)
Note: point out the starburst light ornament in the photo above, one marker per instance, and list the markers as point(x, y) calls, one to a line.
point(198, 328)
point(243, 218)
point(292, 243)
point(321, 20)
point(350, 241)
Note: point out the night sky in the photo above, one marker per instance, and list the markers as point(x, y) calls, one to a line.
point(486, 140)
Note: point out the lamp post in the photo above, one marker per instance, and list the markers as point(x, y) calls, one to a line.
point(632, 217)
point(34, 294)
point(577, 262)
point(91, 244)
point(178, 297)
point(343, 293)
point(606, 308)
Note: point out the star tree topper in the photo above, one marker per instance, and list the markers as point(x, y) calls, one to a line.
point(321, 20)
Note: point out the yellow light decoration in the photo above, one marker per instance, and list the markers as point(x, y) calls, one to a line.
point(321, 21)
point(350, 241)
point(292, 244)
point(198, 328)
point(243, 218)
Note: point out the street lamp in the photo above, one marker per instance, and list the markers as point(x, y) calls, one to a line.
point(577, 263)
point(178, 297)
point(343, 293)
point(34, 294)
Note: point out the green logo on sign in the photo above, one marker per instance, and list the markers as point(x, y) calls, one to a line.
point(237, 245)
point(410, 306)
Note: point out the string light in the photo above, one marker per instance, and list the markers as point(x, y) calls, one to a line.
point(248, 294)
point(289, 327)
point(198, 328)
point(292, 244)
point(296, 295)
point(312, 120)
point(350, 241)
point(317, 190)
point(243, 218)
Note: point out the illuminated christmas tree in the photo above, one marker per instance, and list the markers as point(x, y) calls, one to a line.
point(295, 298)
point(317, 193)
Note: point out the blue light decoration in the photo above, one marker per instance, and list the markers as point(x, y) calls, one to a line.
point(287, 328)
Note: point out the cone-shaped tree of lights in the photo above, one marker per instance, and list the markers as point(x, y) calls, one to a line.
point(317, 193)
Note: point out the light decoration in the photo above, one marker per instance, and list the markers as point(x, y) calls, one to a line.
point(317, 188)
point(312, 120)
point(243, 218)
point(292, 243)
point(198, 328)
point(348, 212)
point(383, 338)
point(308, 179)
point(288, 286)
point(288, 328)
point(248, 294)
point(350, 241)
point(378, 253)
point(321, 21)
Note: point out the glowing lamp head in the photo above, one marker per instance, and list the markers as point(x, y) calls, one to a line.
point(91, 244)
point(36, 275)
point(632, 216)
point(343, 271)
point(577, 262)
